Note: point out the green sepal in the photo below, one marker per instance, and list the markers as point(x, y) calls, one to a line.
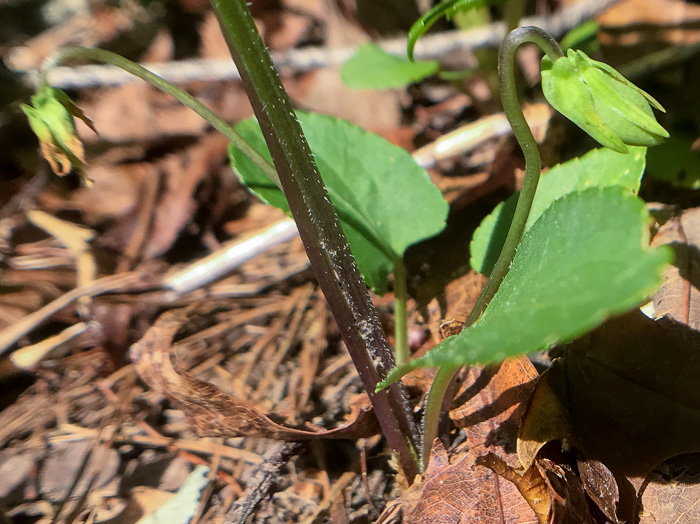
point(601, 101)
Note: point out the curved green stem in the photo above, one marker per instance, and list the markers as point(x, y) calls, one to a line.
point(522, 133)
point(401, 352)
point(182, 96)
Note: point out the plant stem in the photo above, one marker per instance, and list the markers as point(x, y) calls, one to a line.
point(400, 314)
point(107, 57)
point(434, 408)
point(319, 229)
point(522, 133)
point(533, 166)
point(514, 11)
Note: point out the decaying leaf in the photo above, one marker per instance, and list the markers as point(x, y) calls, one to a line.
point(531, 484)
point(210, 411)
point(489, 407)
point(625, 395)
point(679, 296)
point(462, 493)
point(671, 493)
point(600, 485)
point(569, 504)
point(492, 403)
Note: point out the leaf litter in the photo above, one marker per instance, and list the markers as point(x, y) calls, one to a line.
point(261, 342)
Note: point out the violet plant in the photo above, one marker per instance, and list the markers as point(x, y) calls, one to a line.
point(534, 299)
point(543, 263)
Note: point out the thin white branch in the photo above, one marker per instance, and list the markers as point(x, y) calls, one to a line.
point(429, 47)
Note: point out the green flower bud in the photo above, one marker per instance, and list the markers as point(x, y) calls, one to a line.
point(601, 101)
point(51, 117)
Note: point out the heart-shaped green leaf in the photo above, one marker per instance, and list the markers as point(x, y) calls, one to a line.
point(384, 200)
point(585, 259)
point(373, 68)
point(597, 168)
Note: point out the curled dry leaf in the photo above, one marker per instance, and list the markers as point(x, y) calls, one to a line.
point(679, 296)
point(531, 484)
point(214, 413)
point(626, 395)
point(600, 485)
point(569, 503)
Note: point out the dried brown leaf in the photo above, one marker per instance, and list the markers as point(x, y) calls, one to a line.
point(600, 485)
point(672, 492)
point(569, 503)
point(530, 484)
point(461, 493)
point(492, 403)
point(212, 412)
point(625, 395)
point(679, 296)
point(489, 407)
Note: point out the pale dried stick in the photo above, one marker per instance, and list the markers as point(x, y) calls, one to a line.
point(430, 47)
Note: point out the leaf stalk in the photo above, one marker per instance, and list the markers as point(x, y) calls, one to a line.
point(533, 167)
point(400, 313)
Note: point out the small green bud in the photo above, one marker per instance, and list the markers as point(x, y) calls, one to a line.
point(601, 101)
point(51, 117)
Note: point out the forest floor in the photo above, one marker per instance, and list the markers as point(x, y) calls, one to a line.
point(97, 426)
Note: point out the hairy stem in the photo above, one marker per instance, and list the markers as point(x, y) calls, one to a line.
point(319, 229)
point(107, 57)
point(522, 133)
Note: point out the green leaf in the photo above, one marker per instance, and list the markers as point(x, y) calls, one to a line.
point(447, 8)
point(373, 68)
point(582, 35)
point(585, 259)
point(597, 168)
point(384, 200)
